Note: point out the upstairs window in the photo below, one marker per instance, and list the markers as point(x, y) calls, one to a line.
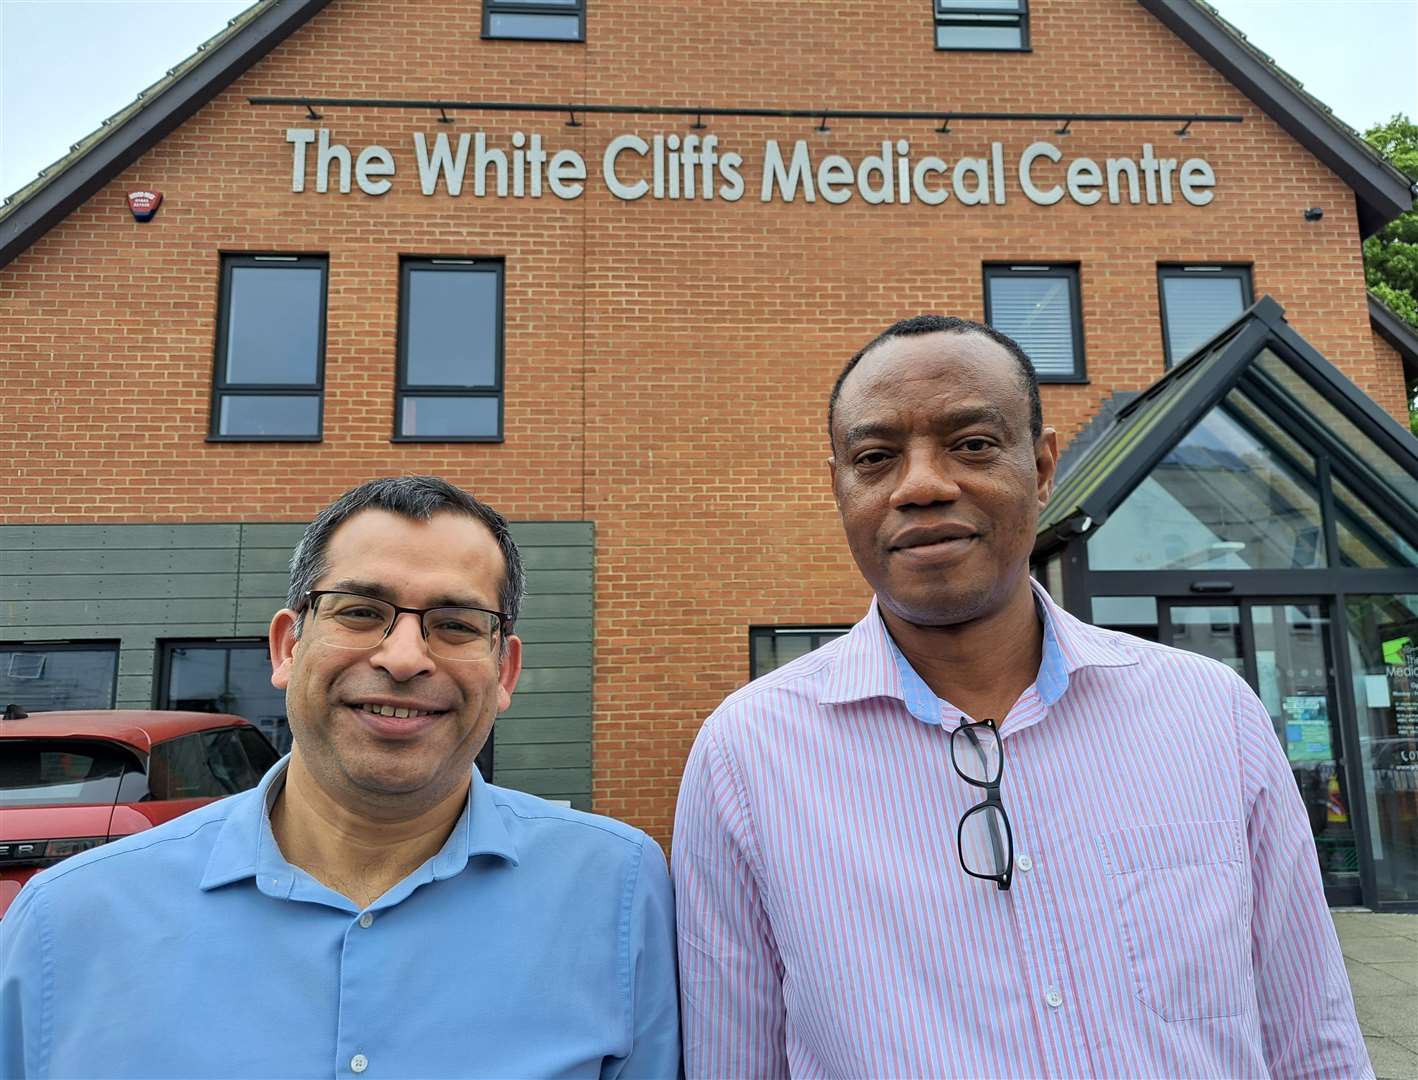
point(1197, 303)
point(450, 351)
point(982, 25)
point(770, 647)
point(1039, 307)
point(270, 368)
point(535, 20)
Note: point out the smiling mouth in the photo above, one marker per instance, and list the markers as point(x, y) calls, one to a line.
point(399, 713)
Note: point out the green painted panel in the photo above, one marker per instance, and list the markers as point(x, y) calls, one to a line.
point(264, 585)
point(121, 561)
point(552, 533)
point(555, 607)
point(118, 586)
point(512, 731)
point(136, 688)
point(540, 756)
point(140, 636)
point(558, 558)
point(266, 561)
point(562, 654)
point(66, 537)
point(537, 631)
point(554, 680)
point(136, 660)
point(526, 706)
point(285, 535)
point(109, 613)
point(258, 609)
point(554, 582)
point(538, 781)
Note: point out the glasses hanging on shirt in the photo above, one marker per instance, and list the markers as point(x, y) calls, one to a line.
point(984, 839)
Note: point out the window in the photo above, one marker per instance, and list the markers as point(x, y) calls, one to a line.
point(44, 677)
point(270, 366)
point(994, 25)
point(771, 647)
point(1197, 302)
point(208, 764)
point(1038, 306)
point(450, 351)
point(224, 677)
point(535, 20)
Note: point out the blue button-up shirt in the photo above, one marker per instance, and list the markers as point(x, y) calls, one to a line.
point(539, 941)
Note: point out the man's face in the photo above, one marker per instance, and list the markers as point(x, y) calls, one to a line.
point(936, 477)
point(359, 757)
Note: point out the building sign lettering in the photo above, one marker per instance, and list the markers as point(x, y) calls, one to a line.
point(692, 167)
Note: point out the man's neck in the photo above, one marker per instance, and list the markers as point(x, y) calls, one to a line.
point(358, 853)
point(981, 666)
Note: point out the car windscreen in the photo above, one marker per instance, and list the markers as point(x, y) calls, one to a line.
point(61, 772)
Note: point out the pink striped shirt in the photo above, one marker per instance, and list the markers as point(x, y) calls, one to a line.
point(1165, 919)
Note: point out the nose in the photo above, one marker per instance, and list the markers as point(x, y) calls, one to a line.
point(403, 653)
point(925, 478)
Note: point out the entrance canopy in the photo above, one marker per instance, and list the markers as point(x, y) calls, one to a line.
point(1254, 506)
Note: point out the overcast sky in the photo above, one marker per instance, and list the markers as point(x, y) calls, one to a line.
point(67, 64)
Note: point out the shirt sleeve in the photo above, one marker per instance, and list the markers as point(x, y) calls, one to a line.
point(654, 1048)
point(22, 989)
point(1308, 1027)
point(731, 992)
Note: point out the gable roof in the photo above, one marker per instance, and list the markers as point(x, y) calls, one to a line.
point(1149, 426)
point(129, 133)
point(1383, 193)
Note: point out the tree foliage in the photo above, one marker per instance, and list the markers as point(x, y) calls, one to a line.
point(1391, 254)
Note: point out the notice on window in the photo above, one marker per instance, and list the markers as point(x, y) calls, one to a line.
point(1401, 667)
point(1307, 728)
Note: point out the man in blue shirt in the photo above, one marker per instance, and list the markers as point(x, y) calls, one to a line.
point(373, 906)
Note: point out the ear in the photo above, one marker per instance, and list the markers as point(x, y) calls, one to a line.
point(1046, 460)
point(283, 642)
point(832, 476)
point(509, 669)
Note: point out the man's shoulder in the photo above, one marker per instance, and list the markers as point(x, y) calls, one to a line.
point(796, 686)
point(146, 859)
point(524, 813)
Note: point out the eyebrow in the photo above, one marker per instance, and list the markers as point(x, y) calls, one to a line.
point(376, 591)
point(951, 421)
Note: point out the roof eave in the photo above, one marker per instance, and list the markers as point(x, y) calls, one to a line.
point(1394, 330)
point(90, 171)
point(1383, 193)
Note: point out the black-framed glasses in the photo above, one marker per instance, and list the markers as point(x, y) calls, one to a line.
point(984, 839)
point(351, 621)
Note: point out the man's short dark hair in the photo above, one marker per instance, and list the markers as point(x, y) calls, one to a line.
point(417, 498)
point(949, 324)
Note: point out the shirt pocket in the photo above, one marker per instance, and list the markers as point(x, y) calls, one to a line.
point(1180, 896)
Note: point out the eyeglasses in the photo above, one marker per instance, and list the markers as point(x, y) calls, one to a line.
point(984, 840)
point(350, 621)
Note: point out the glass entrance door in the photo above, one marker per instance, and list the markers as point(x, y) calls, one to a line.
point(1282, 648)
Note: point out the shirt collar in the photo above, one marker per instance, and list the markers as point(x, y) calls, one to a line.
point(246, 847)
point(870, 665)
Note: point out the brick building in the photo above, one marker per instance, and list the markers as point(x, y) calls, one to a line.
point(599, 263)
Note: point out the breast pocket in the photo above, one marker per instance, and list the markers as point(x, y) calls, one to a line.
point(1181, 900)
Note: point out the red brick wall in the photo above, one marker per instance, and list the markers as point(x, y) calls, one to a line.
point(667, 362)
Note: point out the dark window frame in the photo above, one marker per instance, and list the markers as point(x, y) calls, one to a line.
point(221, 388)
point(1072, 273)
point(952, 17)
point(772, 633)
point(402, 388)
point(97, 645)
point(515, 7)
point(1195, 271)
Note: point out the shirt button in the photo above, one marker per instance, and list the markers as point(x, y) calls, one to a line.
point(1025, 863)
point(366, 920)
point(359, 1063)
point(1054, 997)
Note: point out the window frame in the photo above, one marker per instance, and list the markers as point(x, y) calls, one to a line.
point(950, 17)
point(772, 633)
point(516, 7)
point(402, 388)
point(1190, 271)
point(1072, 273)
point(97, 645)
point(221, 388)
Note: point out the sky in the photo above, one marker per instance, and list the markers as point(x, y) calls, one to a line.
point(67, 64)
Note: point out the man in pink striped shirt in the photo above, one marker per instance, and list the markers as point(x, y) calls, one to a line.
point(975, 836)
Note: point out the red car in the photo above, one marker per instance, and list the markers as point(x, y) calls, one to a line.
point(70, 781)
